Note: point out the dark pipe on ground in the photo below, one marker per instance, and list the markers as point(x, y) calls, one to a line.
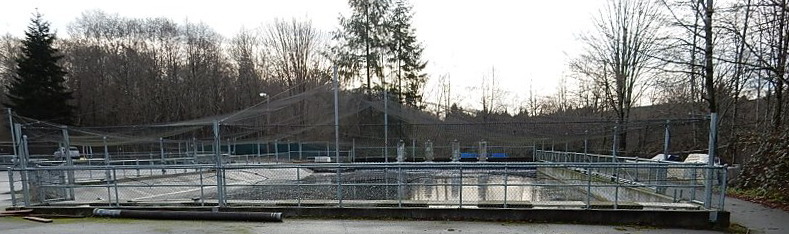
point(191, 215)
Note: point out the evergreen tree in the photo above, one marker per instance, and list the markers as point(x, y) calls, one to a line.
point(363, 40)
point(38, 90)
point(406, 56)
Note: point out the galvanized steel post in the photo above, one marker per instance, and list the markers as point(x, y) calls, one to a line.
point(13, 136)
point(161, 154)
point(219, 170)
point(11, 186)
point(713, 142)
point(69, 161)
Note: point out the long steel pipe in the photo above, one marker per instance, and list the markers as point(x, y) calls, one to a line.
point(190, 215)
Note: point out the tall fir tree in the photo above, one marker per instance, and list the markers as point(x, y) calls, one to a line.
point(38, 90)
point(406, 57)
point(363, 39)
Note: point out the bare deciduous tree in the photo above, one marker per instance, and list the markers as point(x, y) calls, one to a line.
point(619, 54)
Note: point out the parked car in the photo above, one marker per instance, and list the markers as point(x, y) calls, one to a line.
point(73, 151)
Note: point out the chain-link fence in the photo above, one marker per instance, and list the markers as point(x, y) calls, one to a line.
point(313, 149)
point(565, 185)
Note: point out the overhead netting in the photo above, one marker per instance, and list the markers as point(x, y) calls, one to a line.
point(369, 129)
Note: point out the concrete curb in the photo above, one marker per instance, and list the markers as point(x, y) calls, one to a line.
point(687, 219)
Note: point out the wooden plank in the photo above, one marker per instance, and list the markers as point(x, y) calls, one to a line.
point(56, 216)
point(38, 219)
point(15, 212)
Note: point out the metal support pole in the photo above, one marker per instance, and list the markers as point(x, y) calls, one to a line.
point(106, 160)
point(505, 185)
point(586, 146)
point(336, 117)
point(588, 170)
point(218, 159)
point(107, 183)
point(667, 139)
point(533, 151)
point(339, 185)
point(298, 182)
point(589, 185)
point(24, 174)
point(460, 201)
point(161, 153)
point(11, 186)
point(115, 183)
point(614, 143)
point(713, 142)
point(69, 161)
point(13, 137)
point(399, 186)
point(483, 151)
point(614, 147)
point(276, 150)
point(300, 150)
point(202, 193)
point(413, 149)
point(722, 191)
point(456, 151)
point(386, 125)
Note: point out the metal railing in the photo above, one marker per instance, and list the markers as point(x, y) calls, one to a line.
point(664, 177)
point(583, 185)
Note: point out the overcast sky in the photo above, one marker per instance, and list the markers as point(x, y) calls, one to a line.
point(523, 40)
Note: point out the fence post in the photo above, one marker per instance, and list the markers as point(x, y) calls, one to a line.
point(722, 192)
point(589, 186)
point(460, 201)
point(483, 151)
point(115, 183)
point(386, 122)
point(202, 193)
point(336, 117)
point(339, 184)
point(399, 186)
point(194, 152)
point(11, 186)
point(13, 136)
point(586, 146)
point(23, 152)
point(401, 151)
point(505, 185)
point(106, 161)
point(161, 153)
point(713, 141)
point(413, 149)
point(69, 161)
point(667, 139)
point(455, 151)
point(298, 182)
point(220, 187)
point(533, 151)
